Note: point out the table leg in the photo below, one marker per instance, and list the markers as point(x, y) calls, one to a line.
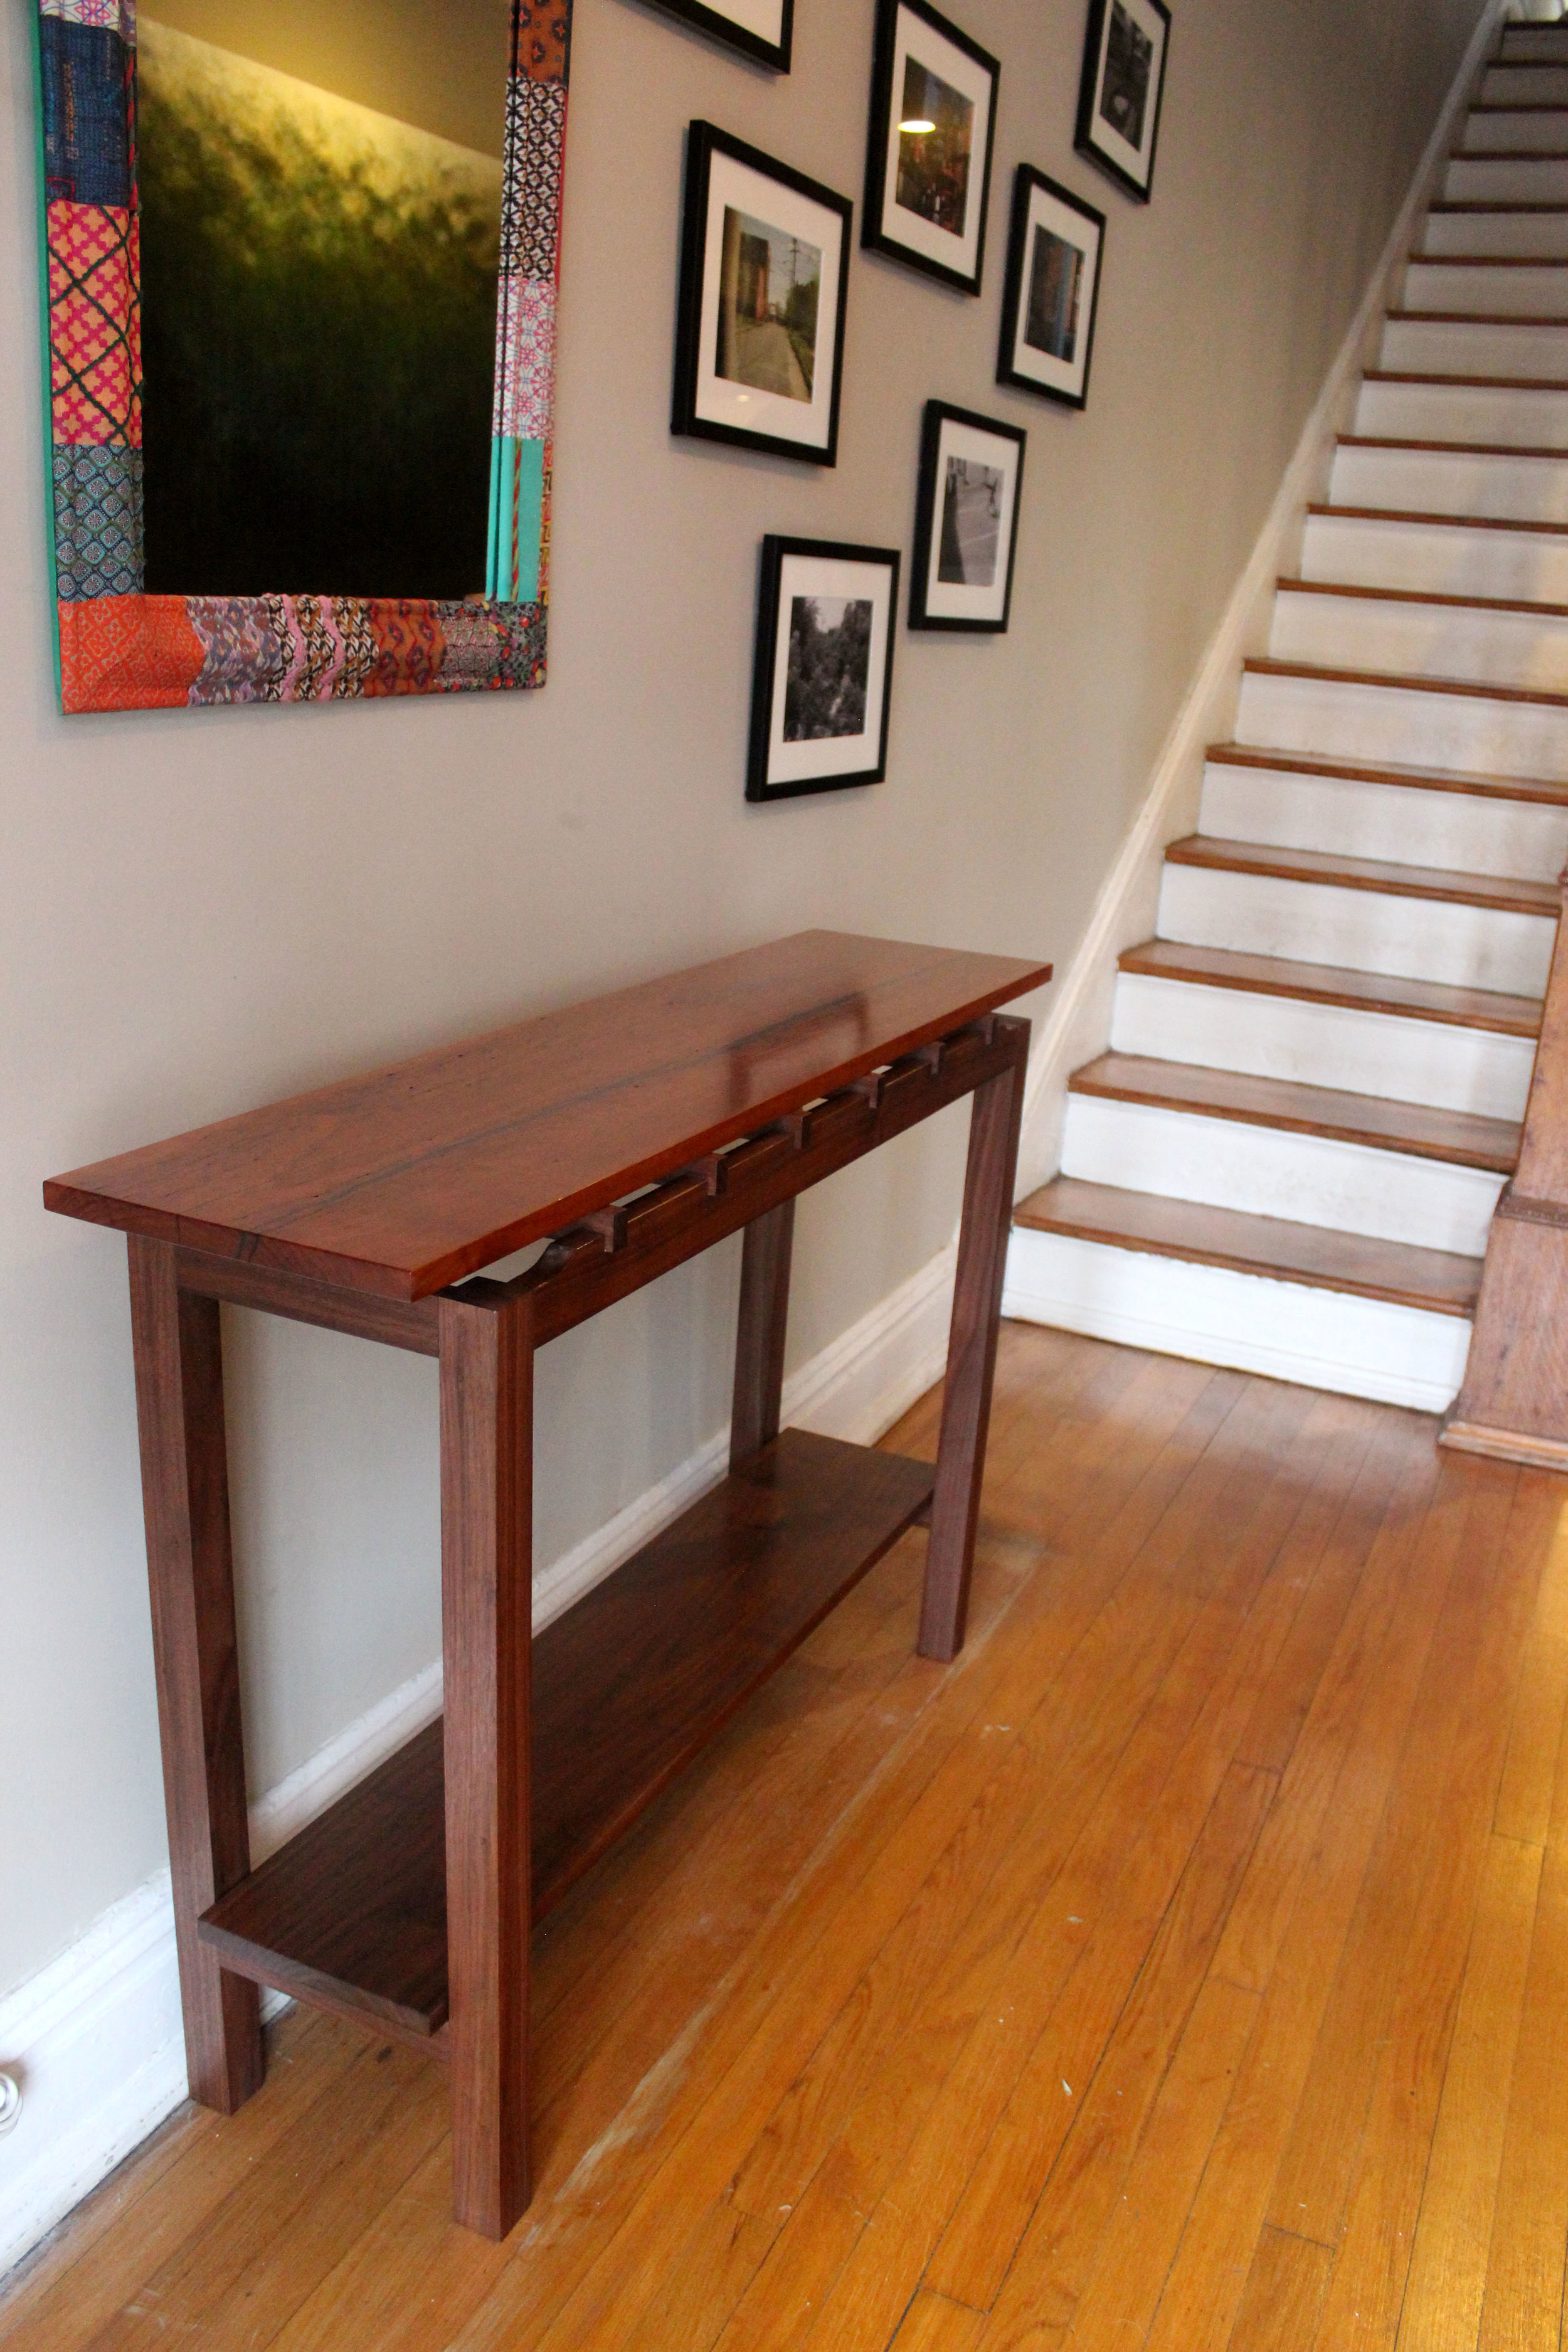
point(184, 1489)
point(487, 1468)
point(972, 1353)
point(759, 1338)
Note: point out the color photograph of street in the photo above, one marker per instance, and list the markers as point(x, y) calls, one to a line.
point(769, 287)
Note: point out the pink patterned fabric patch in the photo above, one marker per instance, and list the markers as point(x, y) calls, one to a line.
point(95, 338)
point(110, 16)
point(528, 382)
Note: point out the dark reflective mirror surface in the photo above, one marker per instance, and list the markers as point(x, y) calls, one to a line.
point(320, 190)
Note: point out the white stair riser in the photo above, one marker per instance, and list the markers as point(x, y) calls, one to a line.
point(1366, 930)
point(1322, 1045)
point(1417, 729)
point(1359, 550)
point(1532, 131)
point(1518, 81)
point(1461, 832)
point(1523, 182)
point(1459, 347)
point(1545, 233)
point(1459, 412)
point(1417, 640)
point(1533, 292)
point(1321, 1338)
point(1266, 1172)
point(1427, 481)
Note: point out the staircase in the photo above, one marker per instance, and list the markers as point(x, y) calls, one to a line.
point(1289, 1157)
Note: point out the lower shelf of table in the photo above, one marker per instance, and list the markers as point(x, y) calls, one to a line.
point(628, 1688)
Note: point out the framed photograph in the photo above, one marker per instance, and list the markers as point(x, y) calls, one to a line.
point(822, 687)
point(966, 521)
point(1052, 293)
point(928, 153)
point(763, 29)
point(759, 347)
point(1124, 82)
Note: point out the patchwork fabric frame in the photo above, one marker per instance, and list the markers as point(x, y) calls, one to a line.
point(120, 649)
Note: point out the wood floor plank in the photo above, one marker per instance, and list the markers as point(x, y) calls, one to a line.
point(1523, 2306)
point(1348, 1706)
point(1099, 1884)
point(1285, 2290)
point(1435, 1794)
point(1202, 2293)
point(941, 2164)
point(1442, 2305)
point(1057, 2249)
point(1136, 2251)
point(1379, 2227)
point(934, 2325)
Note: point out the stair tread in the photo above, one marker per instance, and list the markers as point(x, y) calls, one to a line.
point(1451, 448)
point(1366, 873)
point(1462, 1137)
point(1390, 771)
point(1468, 382)
point(1314, 1254)
point(1439, 521)
point(1476, 319)
point(1321, 983)
point(1476, 690)
point(1293, 585)
point(1481, 261)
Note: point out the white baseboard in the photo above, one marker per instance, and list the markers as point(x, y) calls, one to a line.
point(95, 2039)
point(1253, 1323)
point(1078, 1026)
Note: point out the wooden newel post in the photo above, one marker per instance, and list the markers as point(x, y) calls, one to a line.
point(1515, 1403)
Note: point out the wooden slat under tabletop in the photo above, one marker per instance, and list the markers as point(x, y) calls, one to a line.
point(409, 1178)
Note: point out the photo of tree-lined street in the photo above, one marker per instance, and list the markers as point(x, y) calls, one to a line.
point(829, 672)
point(936, 138)
point(770, 287)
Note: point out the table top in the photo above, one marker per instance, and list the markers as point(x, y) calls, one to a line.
point(415, 1175)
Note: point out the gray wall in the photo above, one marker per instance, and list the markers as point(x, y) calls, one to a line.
point(201, 910)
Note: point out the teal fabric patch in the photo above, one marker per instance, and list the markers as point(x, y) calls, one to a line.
point(517, 519)
point(530, 519)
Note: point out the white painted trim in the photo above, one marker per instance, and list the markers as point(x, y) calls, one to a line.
point(1255, 1323)
point(1077, 1024)
point(95, 2038)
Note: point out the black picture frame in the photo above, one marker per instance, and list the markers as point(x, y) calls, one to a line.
point(1096, 136)
point(710, 402)
point(719, 26)
point(778, 769)
point(921, 245)
point(1023, 365)
point(976, 608)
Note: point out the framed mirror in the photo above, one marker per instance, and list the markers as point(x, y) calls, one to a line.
point(301, 267)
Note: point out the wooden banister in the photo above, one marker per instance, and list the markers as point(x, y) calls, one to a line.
point(1514, 1401)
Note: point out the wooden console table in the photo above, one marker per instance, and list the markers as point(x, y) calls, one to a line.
point(632, 1133)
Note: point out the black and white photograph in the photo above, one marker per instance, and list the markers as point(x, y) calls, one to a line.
point(928, 150)
point(1052, 294)
point(966, 521)
point(764, 282)
point(1124, 82)
point(762, 29)
point(822, 684)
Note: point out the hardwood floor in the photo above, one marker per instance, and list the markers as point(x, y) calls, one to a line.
point(1187, 1965)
